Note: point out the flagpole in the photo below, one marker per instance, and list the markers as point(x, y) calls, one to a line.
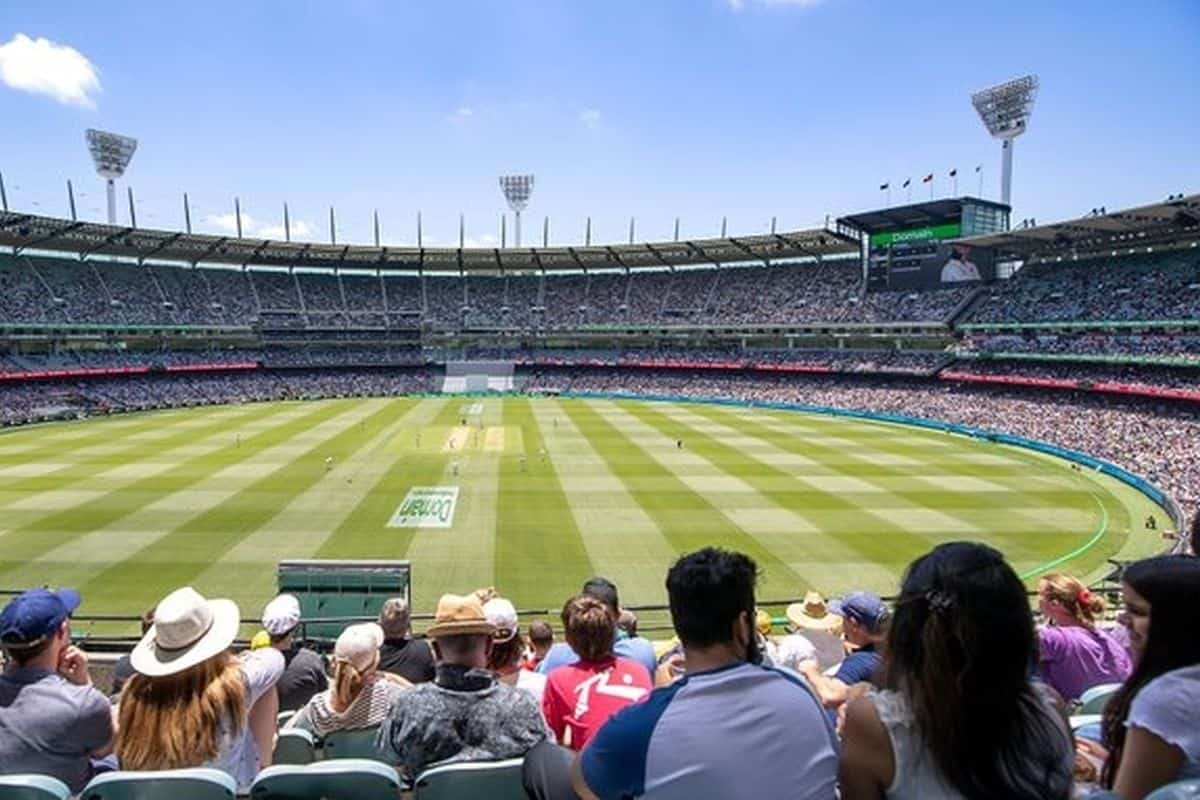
point(955, 192)
point(889, 195)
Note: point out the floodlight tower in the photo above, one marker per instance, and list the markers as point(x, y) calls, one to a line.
point(517, 189)
point(111, 153)
point(1005, 111)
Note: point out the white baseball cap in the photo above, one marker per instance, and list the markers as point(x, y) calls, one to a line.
point(359, 645)
point(281, 615)
point(503, 615)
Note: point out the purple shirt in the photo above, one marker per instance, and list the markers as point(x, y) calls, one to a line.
point(1074, 659)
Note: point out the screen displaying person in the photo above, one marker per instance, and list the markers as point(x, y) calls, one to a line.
point(960, 268)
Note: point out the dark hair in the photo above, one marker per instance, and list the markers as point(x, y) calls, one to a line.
point(960, 648)
point(589, 627)
point(1196, 533)
point(505, 654)
point(147, 620)
point(1170, 585)
point(541, 633)
point(603, 590)
point(708, 590)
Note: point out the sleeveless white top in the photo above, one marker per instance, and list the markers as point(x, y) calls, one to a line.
point(917, 776)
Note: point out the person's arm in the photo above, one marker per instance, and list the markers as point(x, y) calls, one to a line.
point(555, 711)
point(867, 765)
point(831, 690)
point(263, 722)
point(1147, 763)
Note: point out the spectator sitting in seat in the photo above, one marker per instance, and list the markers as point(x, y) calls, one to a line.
point(1073, 654)
point(581, 697)
point(958, 717)
point(464, 714)
point(627, 623)
point(360, 695)
point(508, 647)
point(123, 670)
point(541, 639)
point(729, 729)
point(812, 620)
point(790, 650)
point(52, 722)
point(865, 622)
point(635, 647)
point(1150, 727)
point(401, 654)
point(304, 673)
point(189, 703)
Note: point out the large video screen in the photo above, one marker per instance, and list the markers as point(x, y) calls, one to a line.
point(921, 258)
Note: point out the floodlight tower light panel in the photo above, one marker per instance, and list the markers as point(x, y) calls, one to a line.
point(111, 152)
point(1005, 108)
point(517, 190)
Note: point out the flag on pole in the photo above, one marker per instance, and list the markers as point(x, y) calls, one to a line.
point(907, 181)
point(883, 186)
point(954, 172)
point(927, 178)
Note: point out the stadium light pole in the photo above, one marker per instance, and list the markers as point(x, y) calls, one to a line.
point(3, 194)
point(71, 200)
point(111, 153)
point(1004, 110)
point(517, 190)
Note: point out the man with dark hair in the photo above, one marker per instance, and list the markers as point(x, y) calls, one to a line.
point(541, 638)
point(580, 697)
point(632, 647)
point(52, 721)
point(123, 670)
point(401, 654)
point(729, 729)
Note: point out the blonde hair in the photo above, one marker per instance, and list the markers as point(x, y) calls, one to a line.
point(347, 683)
point(176, 720)
point(1072, 595)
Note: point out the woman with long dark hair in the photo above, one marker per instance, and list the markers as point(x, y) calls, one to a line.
point(959, 716)
point(1151, 726)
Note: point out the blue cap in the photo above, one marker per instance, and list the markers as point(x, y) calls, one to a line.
point(863, 607)
point(33, 615)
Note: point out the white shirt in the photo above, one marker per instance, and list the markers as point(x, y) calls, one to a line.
point(1168, 707)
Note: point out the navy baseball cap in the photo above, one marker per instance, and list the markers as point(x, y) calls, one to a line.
point(863, 607)
point(32, 616)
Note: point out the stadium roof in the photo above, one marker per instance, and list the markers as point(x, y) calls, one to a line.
point(915, 215)
point(1157, 223)
point(31, 232)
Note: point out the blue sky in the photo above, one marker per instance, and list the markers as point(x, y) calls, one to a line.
point(650, 108)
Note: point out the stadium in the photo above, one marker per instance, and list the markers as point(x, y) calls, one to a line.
point(256, 414)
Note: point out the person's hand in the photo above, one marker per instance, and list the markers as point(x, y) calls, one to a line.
point(73, 665)
point(670, 670)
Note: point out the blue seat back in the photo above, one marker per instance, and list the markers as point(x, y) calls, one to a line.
point(294, 746)
point(32, 787)
point(343, 779)
point(495, 780)
point(197, 783)
point(1096, 698)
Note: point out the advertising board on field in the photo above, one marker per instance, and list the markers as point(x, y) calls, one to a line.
point(426, 507)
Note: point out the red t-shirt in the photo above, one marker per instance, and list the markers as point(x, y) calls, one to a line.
point(580, 697)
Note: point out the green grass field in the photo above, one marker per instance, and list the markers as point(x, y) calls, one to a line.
point(550, 492)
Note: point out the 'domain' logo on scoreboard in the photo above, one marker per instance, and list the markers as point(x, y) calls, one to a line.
point(426, 507)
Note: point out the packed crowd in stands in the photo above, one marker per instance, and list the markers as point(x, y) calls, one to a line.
point(1184, 347)
point(1133, 374)
point(1149, 439)
point(1127, 288)
point(955, 690)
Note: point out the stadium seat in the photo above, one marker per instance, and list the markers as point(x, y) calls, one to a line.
point(352, 744)
point(1180, 790)
point(1086, 726)
point(32, 787)
point(282, 718)
point(294, 746)
point(495, 780)
point(344, 779)
point(197, 783)
point(1096, 698)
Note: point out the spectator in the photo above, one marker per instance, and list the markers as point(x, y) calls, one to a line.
point(507, 649)
point(635, 647)
point(580, 697)
point(1149, 726)
point(189, 703)
point(730, 728)
point(401, 654)
point(541, 639)
point(790, 650)
point(627, 624)
point(123, 669)
point(813, 620)
point(865, 622)
point(1073, 654)
point(360, 695)
point(958, 717)
point(304, 673)
point(52, 722)
point(464, 714)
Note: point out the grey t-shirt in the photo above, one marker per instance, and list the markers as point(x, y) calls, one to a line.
point(49, 725)
point(303, 677)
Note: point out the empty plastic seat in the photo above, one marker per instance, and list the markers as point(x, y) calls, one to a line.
point(343, 779)
point(197, 783)
point(32, 787)
point(495, 780)
point(1096, 698)
point(294, 746)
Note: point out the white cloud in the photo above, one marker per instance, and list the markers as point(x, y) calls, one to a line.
point(464, 111)
point(739, 5)
point(40, 66)
point(256, 229)
point(590, 117)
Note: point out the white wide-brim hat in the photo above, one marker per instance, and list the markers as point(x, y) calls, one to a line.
point(187, 630)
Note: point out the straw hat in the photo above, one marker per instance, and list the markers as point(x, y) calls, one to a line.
point(813, 614)
point(457, 615)
point(187, 630)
